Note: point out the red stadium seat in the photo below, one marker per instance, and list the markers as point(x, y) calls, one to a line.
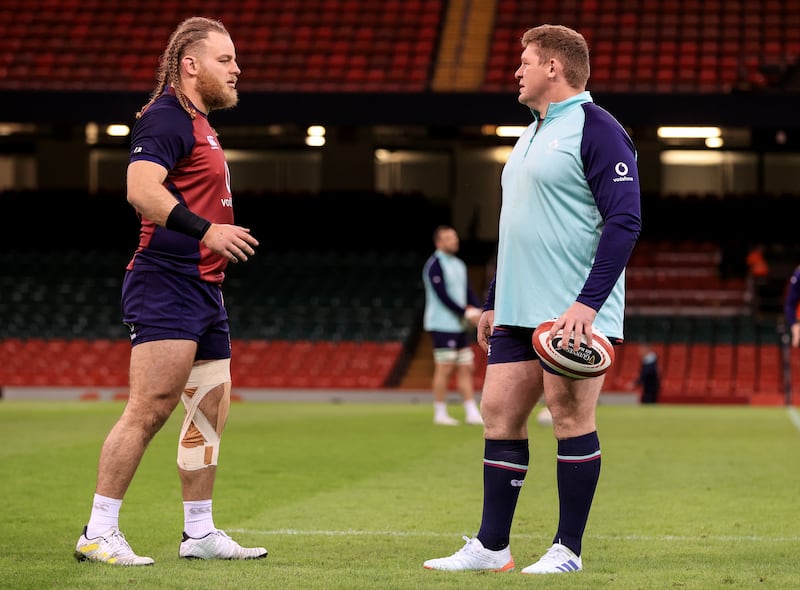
point(768, 32)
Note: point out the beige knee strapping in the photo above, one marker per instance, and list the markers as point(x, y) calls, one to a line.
point(198, 444)
point(461, 356)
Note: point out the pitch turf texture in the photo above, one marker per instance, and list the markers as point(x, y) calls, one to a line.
point(356, 495)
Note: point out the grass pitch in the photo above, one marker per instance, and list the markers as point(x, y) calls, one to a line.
point(355, 495)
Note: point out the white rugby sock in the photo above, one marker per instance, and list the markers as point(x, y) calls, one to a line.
point(198, 519)
point(471, 408)
point(440, 409)
point(105, 514)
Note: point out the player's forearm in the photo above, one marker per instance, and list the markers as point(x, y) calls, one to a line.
point(152, 202)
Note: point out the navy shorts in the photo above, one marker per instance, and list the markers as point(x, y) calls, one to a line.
point(454, 340)
point(511, 345)
point(452, 348)
point(165, 306)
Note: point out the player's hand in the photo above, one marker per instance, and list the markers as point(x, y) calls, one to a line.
point(576, 322)
point(230, 241)
point(473, 314)
point(796, 334)
point(485, 328)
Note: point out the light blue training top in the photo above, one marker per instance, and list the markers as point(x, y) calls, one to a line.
point(447, 293)
point(570, 217)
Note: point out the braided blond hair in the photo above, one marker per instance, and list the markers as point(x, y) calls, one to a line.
point(187, 34)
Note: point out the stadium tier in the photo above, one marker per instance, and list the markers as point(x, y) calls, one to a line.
point(403, 46)
point(342, 310)
point(350, 319)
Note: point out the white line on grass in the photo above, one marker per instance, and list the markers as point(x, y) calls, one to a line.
point(794, 416)
point(658, 538)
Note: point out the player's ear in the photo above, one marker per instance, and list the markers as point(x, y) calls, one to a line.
point(189, 64)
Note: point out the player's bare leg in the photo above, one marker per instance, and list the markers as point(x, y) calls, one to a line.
point(158, 373)
point(465, 380)
point(206, 399)
point(441, 380)
point(510, 392)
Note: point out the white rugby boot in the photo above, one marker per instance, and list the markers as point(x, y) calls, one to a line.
point(110, 547)
point(558, 560)
point(217, 545)
point(473, 556)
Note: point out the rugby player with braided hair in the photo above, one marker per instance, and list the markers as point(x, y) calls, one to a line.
point(179, 184)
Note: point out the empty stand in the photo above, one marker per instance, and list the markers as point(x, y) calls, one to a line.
point(683, 278)
point(655, 46)
point(723, 371)
point(357, 45)
point(362, 45)
point(314, 364)
point(300, 319)
point(794, 374)
point(703, 373)
point(706, 359)
point(58, 362)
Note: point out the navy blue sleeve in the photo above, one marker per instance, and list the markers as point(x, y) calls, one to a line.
point(472, 298)
point(489, 304)
point(163, 134)
point(792, 298)
point(609, 160)
point(437, 281)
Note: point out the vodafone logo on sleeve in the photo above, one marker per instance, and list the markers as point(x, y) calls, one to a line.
point(621, 170)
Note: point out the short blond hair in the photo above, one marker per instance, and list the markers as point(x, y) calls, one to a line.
point(565, 44)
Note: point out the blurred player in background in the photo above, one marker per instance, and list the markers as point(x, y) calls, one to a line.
point(179, 184)
point(649, 378)
point(451, 308)
point(569, 220)
point(791, 307)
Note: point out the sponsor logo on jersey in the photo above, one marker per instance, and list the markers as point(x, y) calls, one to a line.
point(212, 142)
point(622, 173)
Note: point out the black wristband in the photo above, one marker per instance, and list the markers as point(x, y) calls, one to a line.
point(182, 220)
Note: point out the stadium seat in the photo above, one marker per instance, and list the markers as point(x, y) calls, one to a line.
point(746, 369)
point(721, 380)
point(104, 42)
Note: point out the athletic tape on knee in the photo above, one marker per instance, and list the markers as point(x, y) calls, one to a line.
point(198, 444)
point(445, 355)
point(466, 356)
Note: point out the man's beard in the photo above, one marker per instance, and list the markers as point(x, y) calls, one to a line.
point(215, 95)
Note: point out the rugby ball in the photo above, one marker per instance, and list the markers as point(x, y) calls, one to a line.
point(587, 361)
point(544, 417)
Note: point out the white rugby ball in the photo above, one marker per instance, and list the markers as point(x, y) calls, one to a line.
point(544, 417)
point(587, 361)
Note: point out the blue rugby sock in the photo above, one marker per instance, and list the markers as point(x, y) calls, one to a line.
point(505, 464)
point(577, 472)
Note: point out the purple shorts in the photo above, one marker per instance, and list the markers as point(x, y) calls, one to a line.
point(454, 340)
point(165, 306)
point(511, 345)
